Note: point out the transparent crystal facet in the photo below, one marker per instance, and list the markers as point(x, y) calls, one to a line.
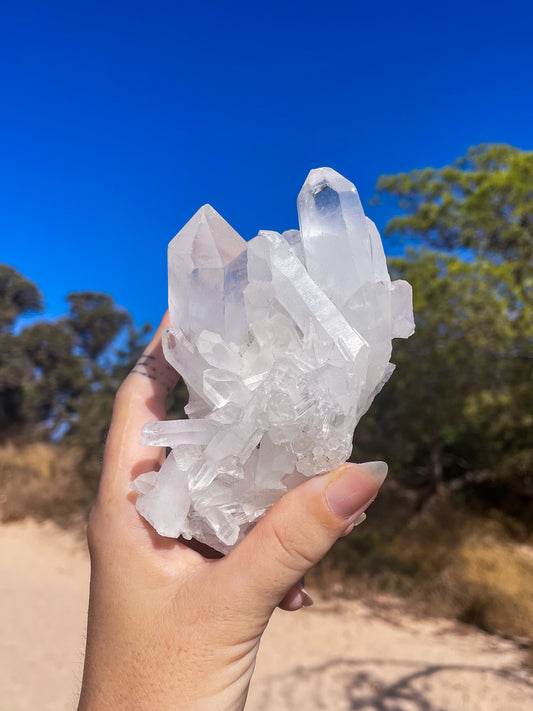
point(283, 343)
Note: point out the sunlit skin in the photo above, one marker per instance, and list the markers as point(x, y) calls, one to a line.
point(170, 627)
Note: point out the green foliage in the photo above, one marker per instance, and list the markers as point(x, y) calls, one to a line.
point(61, 373)
point(458, 407)
point(483, 201)
point(57, 378)
point(95, 321)
point(60, 377)
point(457, 414)
point(18, 296)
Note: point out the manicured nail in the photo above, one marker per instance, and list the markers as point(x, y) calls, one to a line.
point(307, 599)
point(351, 526)
point(377, 470)
point(350, 494)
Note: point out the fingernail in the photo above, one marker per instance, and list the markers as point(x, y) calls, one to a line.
point(351, 493)
point(307, 599)
point(377, 470)
point(360, 519)
point(351, 526)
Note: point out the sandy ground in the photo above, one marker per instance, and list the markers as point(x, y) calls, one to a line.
point(334, 656)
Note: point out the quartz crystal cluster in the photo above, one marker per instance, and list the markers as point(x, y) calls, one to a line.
point(283, 342)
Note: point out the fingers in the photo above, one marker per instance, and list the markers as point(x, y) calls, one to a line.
point(296, 598)
point(296, 533)
point(140, 399)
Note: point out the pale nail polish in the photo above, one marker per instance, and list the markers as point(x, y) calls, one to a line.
point(350, 493)
point(307, 599)
point(360, 519)
point(377, 470)
point(355, 523)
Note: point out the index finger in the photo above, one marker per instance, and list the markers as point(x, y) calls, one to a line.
point(141, 398)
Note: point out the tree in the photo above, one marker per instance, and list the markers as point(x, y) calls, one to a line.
point(53, 372)
point(457, 412)
point(483, 201)
point(94, 408)
point(18, 297)
point(58, 375)
point(454, 413)
point(96, 321)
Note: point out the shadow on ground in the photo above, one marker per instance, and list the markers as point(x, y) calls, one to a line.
point(388, 685)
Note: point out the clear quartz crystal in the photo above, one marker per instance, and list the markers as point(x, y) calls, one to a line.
point(283, 343)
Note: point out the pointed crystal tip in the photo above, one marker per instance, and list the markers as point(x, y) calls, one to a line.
point(207, 211)
point(208, 239)
point(319, 179)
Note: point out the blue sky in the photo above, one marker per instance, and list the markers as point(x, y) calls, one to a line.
point(120, 119)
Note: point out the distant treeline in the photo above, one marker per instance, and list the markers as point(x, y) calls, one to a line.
point(456, 418)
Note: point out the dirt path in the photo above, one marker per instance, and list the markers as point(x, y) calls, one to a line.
point(333, 656)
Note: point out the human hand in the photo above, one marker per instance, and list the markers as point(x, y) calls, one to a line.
point(169, 628)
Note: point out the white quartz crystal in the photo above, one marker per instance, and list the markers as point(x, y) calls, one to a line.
point(283, 343)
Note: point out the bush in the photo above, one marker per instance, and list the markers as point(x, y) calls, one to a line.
point(488, 584)
point(42, 480)
point(450, 563)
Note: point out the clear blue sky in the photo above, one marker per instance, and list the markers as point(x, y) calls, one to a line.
point(119, 119)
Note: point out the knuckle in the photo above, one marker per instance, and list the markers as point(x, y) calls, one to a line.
point(292, 551)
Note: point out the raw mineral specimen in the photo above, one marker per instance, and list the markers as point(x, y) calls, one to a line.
point(283, 342)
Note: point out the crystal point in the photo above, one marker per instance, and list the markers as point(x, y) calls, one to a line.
point(283, 343)
point(334, 234)
point(200, 260)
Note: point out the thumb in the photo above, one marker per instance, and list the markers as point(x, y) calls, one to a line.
point(296, 533)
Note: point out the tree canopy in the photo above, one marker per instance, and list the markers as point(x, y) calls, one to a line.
point(457, 414)
point(50, 368)
point(18, 296)
point(483, 201)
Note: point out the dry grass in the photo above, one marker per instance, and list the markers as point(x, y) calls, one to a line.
point(449, 564)
point(488, 583)
point(42, 480)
